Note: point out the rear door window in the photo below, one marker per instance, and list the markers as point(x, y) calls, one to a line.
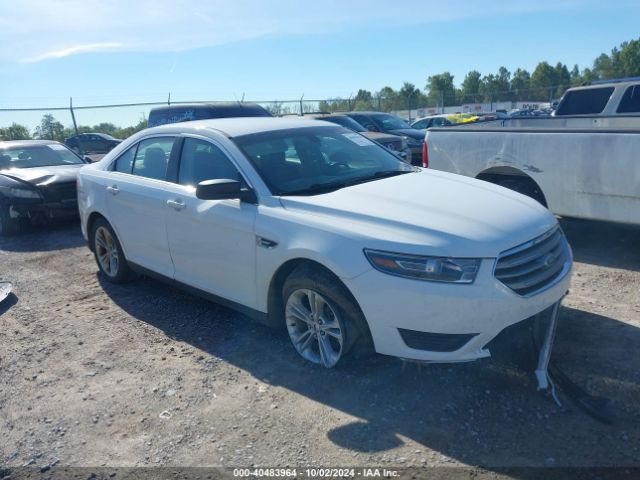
point(589, 101)
point(630, 102)
point(152, 157)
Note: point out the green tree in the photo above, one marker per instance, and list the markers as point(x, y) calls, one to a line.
point(363, 100)
point(49, 129)
point(15, 132)
point(440, 89)
point(543, 82)
point(471, 87)
point(409, 97)
point(104, 127)
point(563, 78)
point(627, 59)
point(128, 131)
point(520, 84)
point(603, 66)
point(387, 99)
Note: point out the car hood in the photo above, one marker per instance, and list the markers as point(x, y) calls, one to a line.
point(410, 132)
point(382, 137)
point(44, 175)
point(428, 213)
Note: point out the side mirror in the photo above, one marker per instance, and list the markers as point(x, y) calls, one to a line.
point(87, 159)
point(220, 189)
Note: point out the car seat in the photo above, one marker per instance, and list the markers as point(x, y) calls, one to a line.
point(155, 163)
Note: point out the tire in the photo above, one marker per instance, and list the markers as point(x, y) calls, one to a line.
point(8, 226)
point(523, 186)
point(333, 330)
point(108, 253)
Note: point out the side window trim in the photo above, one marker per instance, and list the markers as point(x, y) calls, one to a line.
point(112, 165)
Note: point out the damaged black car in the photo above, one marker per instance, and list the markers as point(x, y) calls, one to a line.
point(37, 183)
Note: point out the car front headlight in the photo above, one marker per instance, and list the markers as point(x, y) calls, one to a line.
point(405, 141)
point(20, 192)
point(432, 269)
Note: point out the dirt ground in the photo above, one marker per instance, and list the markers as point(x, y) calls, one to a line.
point(93, 374)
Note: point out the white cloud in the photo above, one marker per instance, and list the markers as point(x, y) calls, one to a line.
point(39, 30)
point(65, 52)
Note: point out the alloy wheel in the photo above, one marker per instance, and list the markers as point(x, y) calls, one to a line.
point(314, 327)
point(106, 251)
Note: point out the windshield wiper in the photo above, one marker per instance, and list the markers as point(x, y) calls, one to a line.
point(316, 189)
point(379, 175)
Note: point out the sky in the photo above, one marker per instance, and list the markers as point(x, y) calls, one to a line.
point(116, 51)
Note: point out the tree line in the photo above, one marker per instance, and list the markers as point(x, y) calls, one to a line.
point(545, 83)
point(51, 129)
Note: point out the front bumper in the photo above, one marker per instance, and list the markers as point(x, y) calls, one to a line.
point(471, 315)
point(32, 208)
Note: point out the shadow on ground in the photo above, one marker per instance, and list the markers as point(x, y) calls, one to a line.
point(485, 413)
point(58, 235)
point(605, 244)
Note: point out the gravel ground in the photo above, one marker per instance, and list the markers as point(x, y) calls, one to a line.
point(143, 374)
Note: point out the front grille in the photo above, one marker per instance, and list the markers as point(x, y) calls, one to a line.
point(59, 192)
point(393, 145)
point(535, 265)
point(435, 342)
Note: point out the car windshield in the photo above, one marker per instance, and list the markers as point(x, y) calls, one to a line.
point(314, 160)
point(345, 122)
point(37, 156)
point(389, 122)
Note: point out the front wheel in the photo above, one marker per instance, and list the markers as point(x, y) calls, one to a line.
point(8, 225)
point(108, 253)
point(323, 321)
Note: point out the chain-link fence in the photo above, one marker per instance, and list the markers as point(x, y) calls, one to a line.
point(77, 117)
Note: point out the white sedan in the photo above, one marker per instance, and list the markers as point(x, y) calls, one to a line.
point(311, 227)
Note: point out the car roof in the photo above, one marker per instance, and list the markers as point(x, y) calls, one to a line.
point(236, 127)
point(367, 113)
point(26, 143)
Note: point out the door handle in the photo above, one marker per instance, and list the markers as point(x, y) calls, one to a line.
point(177, 204)
point(113, 189)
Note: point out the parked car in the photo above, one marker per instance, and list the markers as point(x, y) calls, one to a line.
point(37, 182)
point(91, 143)
point(386, 123)
point(395, 143)
point(582, 162)
point(202, 111)
point(313, 228)
point(443, 120)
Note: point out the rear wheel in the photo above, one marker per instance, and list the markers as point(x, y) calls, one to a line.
point(324, 323)
point(8, 225)
point(108, 252)
point(523, 185)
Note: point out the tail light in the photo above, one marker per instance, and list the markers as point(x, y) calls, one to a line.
point(425, 154)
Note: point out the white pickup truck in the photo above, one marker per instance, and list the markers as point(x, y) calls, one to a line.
point(582, 162)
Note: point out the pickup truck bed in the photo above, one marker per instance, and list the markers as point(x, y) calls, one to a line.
point(585, 167)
